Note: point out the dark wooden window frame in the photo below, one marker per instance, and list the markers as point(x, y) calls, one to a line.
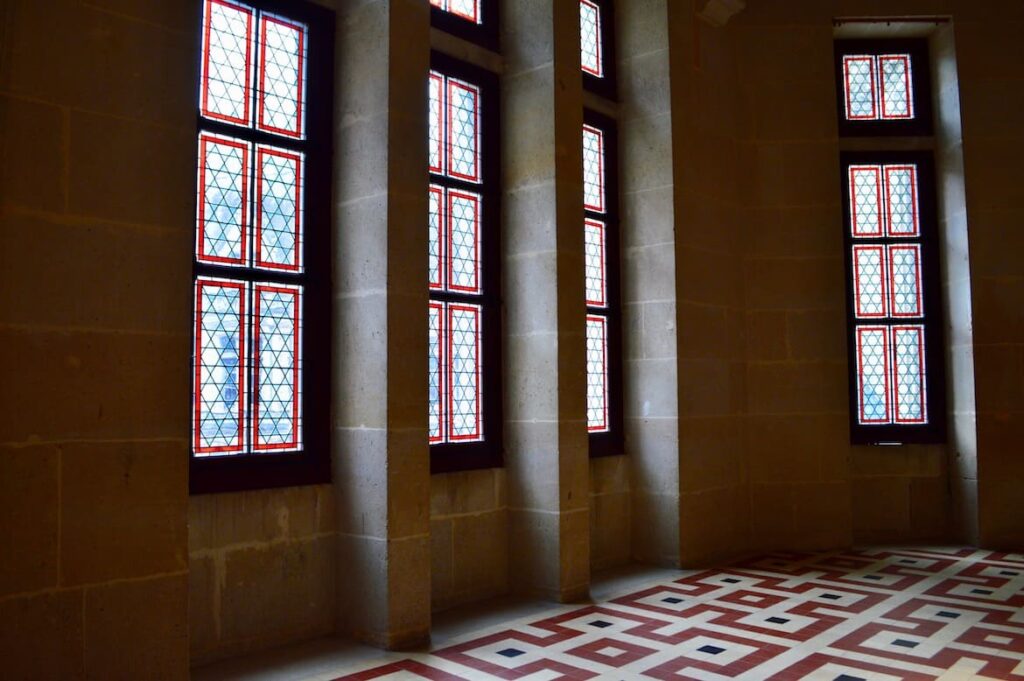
point(310, 465)
point(919, 126)
point(484, 34)
point(611, 442)
point(606, 87)
point(488, 453)
point(934, 431)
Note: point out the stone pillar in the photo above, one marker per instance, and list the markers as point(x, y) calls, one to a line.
point(381, 457)
point(649, 298)
point(545, 388)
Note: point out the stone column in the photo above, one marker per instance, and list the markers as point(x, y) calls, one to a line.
point(545, 385)
point(381, 458)
point(648, 267)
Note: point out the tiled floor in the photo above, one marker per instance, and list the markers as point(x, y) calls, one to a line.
point(876, 614)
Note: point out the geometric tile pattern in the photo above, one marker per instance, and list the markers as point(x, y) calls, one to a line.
point(278, 219)
point(873, 614)
point(277, 362)
point(466, 9)
point(878, 88)
point(590, 39)
point(593, 169)
point(227, 61)
point(219, 379)
point(281, 87)
point(597, 373)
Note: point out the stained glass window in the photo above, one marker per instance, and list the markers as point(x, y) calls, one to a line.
point(591, 58)
point(250, 258)
point(887, 268)
point(878, 87)
point(461, 278)
point(600, 269)
point(464, 9)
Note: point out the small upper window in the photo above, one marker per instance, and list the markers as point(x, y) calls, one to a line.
point(596, 48)
point(473, 20)
point(883, 87)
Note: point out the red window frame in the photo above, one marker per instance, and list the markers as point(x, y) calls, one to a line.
point(918, 119)
point(252, 463)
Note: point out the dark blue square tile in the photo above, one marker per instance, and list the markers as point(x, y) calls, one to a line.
point(984, 592)
point(714, 650)
point(847, 677)
point(511, 652)
point(672, 599)
point(902, 642)
point(875, 577)
point(948, 614)
point(831, 597)
point(1008, 573)
point(731, 580)
point(777, 620)
point(601, 624)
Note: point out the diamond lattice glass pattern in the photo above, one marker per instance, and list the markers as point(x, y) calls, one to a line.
point(873, 373)
point(594, 245)
point(466, 9)
point(278, 361)
point(436, 237)
point(590, 39)
point(597, 373)
point(223, 183)
point(464, 397)
point(278, 217)
point(463, 130)
point(463, 241)
point(435, 361)
point(282, 76)
point(901, 198)
point(908, 351)
point(897, 95)
point(866, 200)
point(869, 276)
point(218, 387)
point(593, 169)
point(905, 280)
point(436, 124)
point(859, 79)
point(878, 88)
point(227, 61)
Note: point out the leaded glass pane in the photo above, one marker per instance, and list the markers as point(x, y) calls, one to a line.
point(905, 281)
point(278, 360)
point(594, 245)
point(436, 237)
point(224, 200)
point(866, 200)
point(435, 361)
point(908, 351)
point(218, 384)
point(463, 241)
point(590, 38)
point(869, 281)
point(897, 98)
point(464, 399)
point(436, 125)
point(282, 76)
point(467, 9)
point(859, 84)
point(901, 196)
point(873, 373)
point(593, 169)
point(227, 61)
point(597, 373)
point(463, 130)
point(278, 217)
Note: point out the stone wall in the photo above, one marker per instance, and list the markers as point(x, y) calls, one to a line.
point(97, 131)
